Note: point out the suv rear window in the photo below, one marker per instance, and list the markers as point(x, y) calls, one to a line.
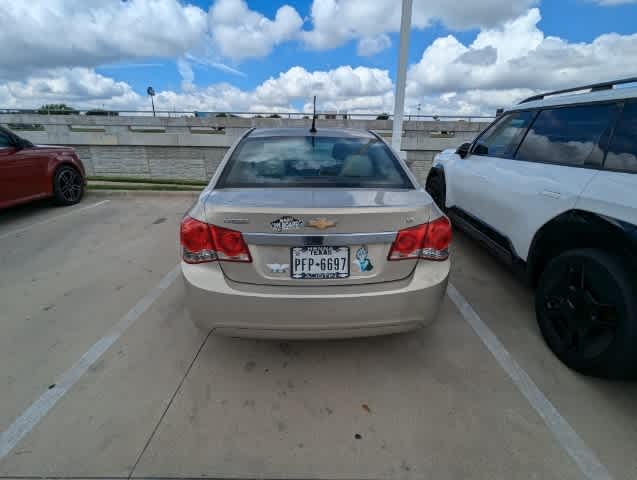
point(568, 135)
point(313, 162)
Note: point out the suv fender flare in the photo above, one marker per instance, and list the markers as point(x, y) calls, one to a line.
point(439, 170)
point(580, 229)
point(436, 170)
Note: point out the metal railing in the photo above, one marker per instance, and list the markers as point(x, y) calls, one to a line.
point(285, 115)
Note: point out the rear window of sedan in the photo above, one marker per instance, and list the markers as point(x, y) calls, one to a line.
point(272, 162)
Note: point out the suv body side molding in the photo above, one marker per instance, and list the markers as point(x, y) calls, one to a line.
point(498, 244)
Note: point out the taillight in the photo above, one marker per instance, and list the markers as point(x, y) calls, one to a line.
point(408, 243)
point(201, 243)
point(437, 240)
point(229, 245)
point(429, 241)
point(196, 241)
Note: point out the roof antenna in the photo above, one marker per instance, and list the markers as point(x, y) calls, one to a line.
point(313, 129)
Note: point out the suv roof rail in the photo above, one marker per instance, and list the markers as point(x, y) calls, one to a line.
point(595, 87)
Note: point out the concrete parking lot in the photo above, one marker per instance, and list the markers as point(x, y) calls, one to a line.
point(102, 374)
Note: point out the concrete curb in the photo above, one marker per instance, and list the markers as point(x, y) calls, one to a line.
point(142, 193)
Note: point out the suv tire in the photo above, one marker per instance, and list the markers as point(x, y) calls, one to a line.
point(586, 308)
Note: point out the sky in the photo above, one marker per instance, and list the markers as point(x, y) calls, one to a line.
point(465, 57)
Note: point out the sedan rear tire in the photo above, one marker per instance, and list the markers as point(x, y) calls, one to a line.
point(586, 307)
point(68, 186)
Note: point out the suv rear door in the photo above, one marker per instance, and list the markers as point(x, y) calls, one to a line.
point(533, 182)
point(613, 190)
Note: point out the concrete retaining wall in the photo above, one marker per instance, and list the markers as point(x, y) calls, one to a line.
point(191, 148)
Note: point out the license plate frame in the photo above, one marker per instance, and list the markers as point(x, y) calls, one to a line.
point(340, 274)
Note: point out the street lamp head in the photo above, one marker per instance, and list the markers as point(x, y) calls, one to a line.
point(151, 93)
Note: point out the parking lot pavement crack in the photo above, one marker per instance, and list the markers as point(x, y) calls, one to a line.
point(170, 402)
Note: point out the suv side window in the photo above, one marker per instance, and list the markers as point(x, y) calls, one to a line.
point(622, 152)
point(568, 135)
point(503, 137)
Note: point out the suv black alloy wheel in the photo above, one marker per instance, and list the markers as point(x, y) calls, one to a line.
point(586, 306)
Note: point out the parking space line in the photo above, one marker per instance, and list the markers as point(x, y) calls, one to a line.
point(38, 409)
point(52, 219)
point(565, 435)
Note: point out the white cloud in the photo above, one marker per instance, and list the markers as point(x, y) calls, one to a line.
point(120, 66)
point(41, 34)
point(187, 75)
point(501, 66)
point(338, 21)
point(463, 14)
point(368, 46)
point(339, 84)
point(218, 65)
point(505, 64)
point(240, 33)
point(76, 86)
point(334, 22)
point(344, 88)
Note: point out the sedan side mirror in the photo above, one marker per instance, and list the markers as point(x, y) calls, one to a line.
point(463, 150)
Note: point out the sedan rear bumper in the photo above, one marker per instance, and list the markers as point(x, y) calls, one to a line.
point(284, 312)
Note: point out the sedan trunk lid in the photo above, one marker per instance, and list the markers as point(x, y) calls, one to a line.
point(285, 227)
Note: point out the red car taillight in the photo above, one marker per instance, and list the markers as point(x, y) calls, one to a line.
point(196, 241)
point(429, 241)
point(201, 243)
point(229, 245)
point(408, 243)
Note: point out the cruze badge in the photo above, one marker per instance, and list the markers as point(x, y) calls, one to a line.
point(286, 224)
point(236, 221)
point(321, 223)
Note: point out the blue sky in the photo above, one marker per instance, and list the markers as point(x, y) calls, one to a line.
point(465, 56)
point(573, 20)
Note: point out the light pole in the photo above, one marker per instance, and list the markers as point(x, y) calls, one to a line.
point(151, 93)
point(401, 75)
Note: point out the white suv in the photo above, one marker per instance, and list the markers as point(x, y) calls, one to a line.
point(551, 188)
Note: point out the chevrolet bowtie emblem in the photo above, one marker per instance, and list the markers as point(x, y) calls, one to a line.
point(321, 223)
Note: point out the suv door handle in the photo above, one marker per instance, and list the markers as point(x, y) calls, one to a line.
point(550, 193)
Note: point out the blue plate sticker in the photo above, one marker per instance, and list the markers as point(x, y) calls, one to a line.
point(362, 259)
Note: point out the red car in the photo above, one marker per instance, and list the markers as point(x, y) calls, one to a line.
point(29, 172)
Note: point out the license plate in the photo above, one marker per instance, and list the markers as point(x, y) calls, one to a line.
point(320, 262)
